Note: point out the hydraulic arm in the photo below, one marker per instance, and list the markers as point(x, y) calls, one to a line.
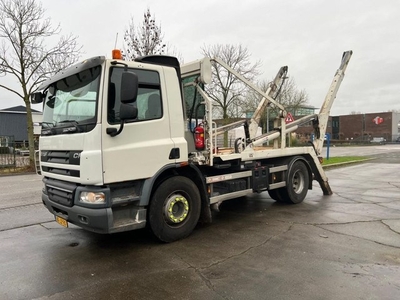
point(267, 96)
point(321, 121)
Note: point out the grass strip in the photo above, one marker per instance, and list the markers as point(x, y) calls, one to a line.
point(343, 159)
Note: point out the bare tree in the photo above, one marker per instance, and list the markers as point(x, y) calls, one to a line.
point(225, 89)
point(25, 55)
point(292, 98)
point(144, 39)
point(251, 101)
point(289, 96)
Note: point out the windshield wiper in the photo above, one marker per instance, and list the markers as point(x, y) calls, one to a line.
point(74, 123)
point(48, 129)
point(68, 121)
point(48, 124)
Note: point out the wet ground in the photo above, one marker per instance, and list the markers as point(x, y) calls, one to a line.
point(344, 246)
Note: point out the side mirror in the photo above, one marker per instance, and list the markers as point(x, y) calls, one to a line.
point(128, 112)
point(129, 87)
point(37, 98)
point(128, 94)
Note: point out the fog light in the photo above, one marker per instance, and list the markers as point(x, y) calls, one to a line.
point(92, 197)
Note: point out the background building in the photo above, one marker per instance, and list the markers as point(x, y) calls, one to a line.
point(358, 127)
point(367, 126)
point(13, 124)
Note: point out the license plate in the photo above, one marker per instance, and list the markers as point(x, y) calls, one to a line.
point(61, 221)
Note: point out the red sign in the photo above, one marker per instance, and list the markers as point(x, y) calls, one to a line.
point(289, 118)
point(377, 120)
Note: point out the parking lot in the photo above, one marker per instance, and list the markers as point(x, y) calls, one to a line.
point(344, 246)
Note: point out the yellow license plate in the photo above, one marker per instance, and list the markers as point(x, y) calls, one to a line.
point(61, 221)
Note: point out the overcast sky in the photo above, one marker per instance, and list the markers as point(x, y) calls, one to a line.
point(307, 35)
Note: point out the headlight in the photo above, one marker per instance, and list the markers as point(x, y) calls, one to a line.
point(92, 197)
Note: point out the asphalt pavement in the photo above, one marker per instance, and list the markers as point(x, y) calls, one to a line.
point(343, 246)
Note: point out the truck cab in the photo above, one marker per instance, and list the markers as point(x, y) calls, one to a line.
point(82, 157)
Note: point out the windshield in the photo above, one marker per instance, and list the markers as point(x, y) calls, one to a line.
point(72, 101)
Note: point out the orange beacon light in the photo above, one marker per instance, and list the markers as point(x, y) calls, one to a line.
point(116, 54)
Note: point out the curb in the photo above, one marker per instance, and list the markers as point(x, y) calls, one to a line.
point(17, 174)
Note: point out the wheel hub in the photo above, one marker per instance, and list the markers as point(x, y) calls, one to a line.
point(298, 182)
point(176, 209)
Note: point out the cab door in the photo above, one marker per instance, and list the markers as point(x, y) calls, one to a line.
point(144, 145)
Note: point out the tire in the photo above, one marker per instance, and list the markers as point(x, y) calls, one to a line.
point(276, 195)
point(239, 145)
point(296, 183)
point(174, 209)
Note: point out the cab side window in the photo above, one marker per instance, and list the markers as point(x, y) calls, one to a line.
point(148, 103)
point(153, 107)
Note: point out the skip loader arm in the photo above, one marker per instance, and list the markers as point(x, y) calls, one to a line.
point(272, 88)
point(320, 123)
point(267, 96)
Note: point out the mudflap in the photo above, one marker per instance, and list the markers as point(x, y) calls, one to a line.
point(325, 187)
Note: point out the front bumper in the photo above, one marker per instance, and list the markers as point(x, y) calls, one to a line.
point(99, 220)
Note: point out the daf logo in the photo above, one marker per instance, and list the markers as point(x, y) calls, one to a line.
point(76, 155)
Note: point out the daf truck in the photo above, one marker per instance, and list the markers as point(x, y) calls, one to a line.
point(130, 144)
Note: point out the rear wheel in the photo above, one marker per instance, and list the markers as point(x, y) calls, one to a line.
point(297, 183)
point(276, 194)
point(174, 209)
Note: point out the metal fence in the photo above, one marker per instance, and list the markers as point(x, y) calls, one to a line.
point(10, 156)
point(7, 152)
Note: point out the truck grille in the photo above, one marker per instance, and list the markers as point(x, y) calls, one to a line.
point(61, 157)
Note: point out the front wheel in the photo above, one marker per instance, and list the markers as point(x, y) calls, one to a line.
point(174, 209)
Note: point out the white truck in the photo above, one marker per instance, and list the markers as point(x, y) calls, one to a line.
point(125, 144)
